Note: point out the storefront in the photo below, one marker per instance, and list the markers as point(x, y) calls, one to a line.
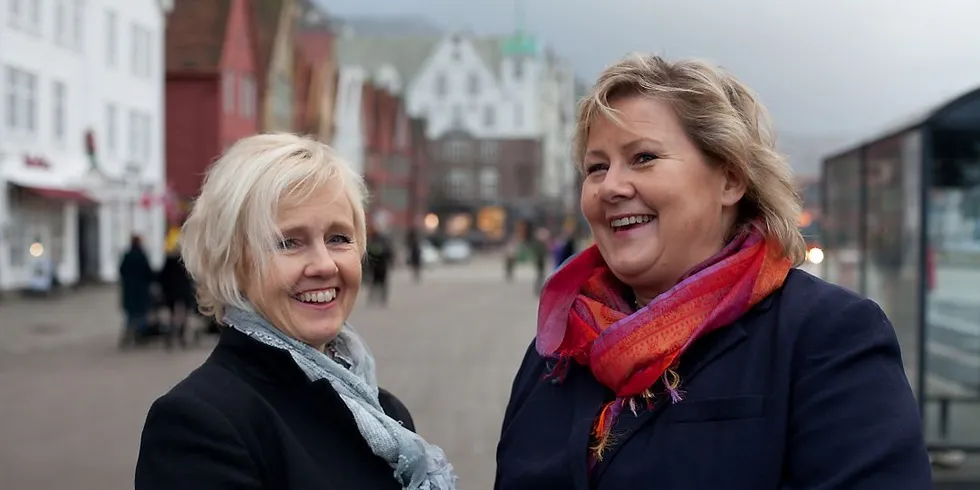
point(901, 225)
point(60, 228)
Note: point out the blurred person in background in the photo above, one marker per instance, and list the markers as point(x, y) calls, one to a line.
point(178, 293)
point(539, 251)
point(288, 399)
point(682, 351)
point(136, 279)
point(415, 254)
point(380, 258)
point(511, 252)
point(564, 245)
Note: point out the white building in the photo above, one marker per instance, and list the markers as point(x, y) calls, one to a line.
point(74, 72)
point(490, 87)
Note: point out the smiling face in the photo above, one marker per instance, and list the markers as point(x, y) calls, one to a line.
point(311, 284)
point(656, 206)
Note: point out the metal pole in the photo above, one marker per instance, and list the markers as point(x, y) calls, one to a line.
point(923, 337)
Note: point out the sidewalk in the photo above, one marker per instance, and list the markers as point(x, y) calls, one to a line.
point(29, 324)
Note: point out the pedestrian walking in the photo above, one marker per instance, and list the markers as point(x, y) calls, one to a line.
point(289, 397)
point(380, 257)
point(136, 279)
point(178, 293)
point(414, 246)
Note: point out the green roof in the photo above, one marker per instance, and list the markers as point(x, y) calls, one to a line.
point(519, 44)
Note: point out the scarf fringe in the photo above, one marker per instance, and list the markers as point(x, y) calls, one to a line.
point(602, 432)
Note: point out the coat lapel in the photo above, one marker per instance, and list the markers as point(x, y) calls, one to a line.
point(588, 397)
point(701, 354)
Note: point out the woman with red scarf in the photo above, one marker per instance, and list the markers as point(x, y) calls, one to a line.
point(683, 351)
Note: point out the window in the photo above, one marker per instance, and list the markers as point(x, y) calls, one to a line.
point(111, 41)
point(24, 15)
point(139, 136)
point(488, 183)
point(489, 116)
point(21, 100)
point(457, 184)
point(518, 69)
point(61, 31)
point(228, 92)
point(455, 150)
point(147, 138)
point(15, 12)
point(442, 85)
point(474, 84)
point(59, 102)
point(78, 29)
point(488, 151)
point(140, 51)
point(518, 115)
point(457, 116)
point(134, 134)
point(111, 129)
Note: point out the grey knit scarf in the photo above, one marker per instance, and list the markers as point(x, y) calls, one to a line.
point(417, 464)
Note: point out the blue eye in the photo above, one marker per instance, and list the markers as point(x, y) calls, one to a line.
point(341, 239)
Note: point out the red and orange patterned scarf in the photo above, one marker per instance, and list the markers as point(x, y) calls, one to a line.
point(585, 316)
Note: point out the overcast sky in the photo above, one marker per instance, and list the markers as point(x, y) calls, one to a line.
point(827, 67)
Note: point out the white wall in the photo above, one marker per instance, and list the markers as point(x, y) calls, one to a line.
point(512, 101)
point(348, 139)
point(53, 52)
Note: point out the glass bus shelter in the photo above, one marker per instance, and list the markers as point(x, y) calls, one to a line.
point(901, 225)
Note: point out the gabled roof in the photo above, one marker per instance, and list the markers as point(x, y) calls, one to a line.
point(408, 54)
point(195, 35)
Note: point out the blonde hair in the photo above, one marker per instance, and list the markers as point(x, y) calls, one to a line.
point(234, 218)
point(725, 121)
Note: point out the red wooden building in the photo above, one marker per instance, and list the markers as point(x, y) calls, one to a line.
point(211, 86)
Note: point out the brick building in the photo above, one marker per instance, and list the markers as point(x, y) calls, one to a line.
point(211, 86)
point(390, 160)
point(481, 188)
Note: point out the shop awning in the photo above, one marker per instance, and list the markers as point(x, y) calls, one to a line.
point(61, 194)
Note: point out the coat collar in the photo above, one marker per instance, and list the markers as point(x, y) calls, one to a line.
point(254, 359)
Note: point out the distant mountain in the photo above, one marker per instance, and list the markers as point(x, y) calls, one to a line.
point(389, 26)
point(807, 151)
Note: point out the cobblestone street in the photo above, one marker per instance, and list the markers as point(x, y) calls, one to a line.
point(72, 406)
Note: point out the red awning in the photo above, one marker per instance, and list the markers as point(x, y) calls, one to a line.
point(62, 194)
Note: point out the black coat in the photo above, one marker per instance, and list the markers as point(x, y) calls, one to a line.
point(249, 418)
point(136, 277)
point(805, 391)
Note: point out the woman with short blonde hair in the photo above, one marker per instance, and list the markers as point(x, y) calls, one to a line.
point(683, 349)
point(289, 397)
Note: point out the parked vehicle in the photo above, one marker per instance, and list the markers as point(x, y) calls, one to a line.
point(456, 250)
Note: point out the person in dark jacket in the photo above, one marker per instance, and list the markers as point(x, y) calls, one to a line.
point(289, 397)
point(136, 279)
point(414, 246)
point(683, 350)
point(178, 292)
point(380, 258)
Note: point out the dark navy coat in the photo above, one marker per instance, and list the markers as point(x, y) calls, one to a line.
point(805, 392)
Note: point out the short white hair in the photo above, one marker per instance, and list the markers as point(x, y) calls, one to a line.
point(234, 218)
